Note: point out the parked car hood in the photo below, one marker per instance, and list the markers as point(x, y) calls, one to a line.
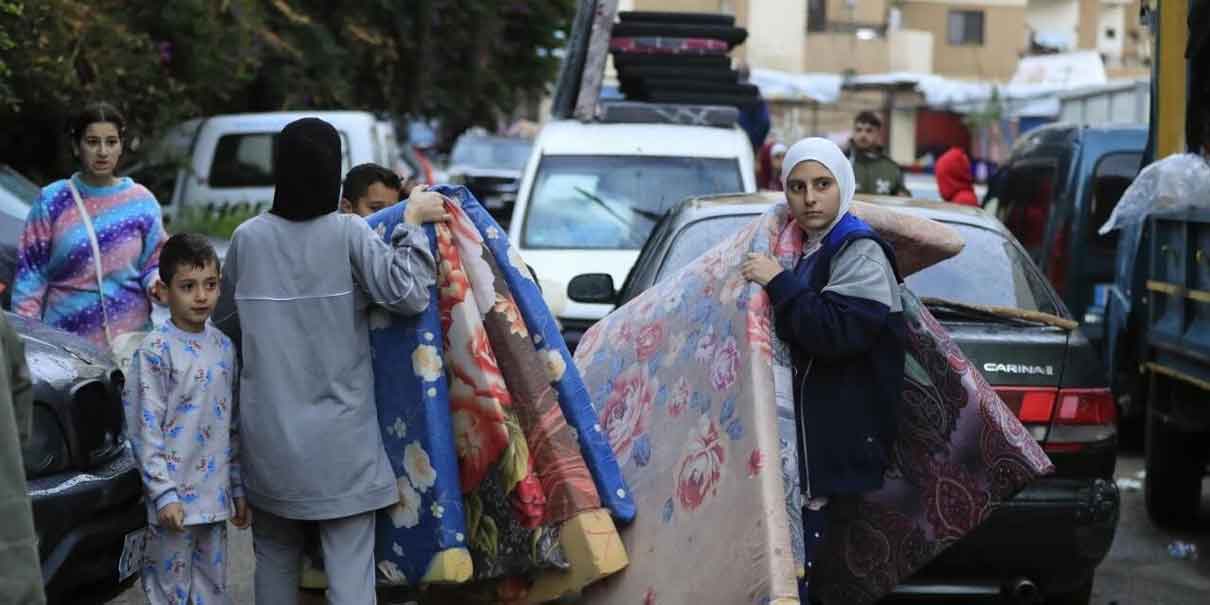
point(57, 357)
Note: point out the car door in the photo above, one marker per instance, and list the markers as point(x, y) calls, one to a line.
point(1093, 267)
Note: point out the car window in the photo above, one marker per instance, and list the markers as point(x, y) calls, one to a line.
point(694, 239)
point(613, 202)
point(1029, 191)
point(503, 154)
point(1113, 175)
point(17, 193)
point(990, 270)
point(246, 160)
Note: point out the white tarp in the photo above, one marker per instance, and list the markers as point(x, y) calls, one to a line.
point(963, 96)
point(781, 85)
point(1064, 70)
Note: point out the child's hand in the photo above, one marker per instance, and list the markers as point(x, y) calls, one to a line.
point(760, 268)
point(156, 291)
point(172, 516)
point(425, 207)
point(243, 514)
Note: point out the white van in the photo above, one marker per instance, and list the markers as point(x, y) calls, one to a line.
point(592, 192)
point(227, 168)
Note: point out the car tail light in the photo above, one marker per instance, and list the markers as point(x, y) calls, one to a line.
point(1063, 420)
point(1033, 406)
point(1083, 416)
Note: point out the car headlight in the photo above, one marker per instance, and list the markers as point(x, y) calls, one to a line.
point(46, 453)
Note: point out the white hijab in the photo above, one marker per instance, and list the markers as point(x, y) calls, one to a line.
point(827, 153)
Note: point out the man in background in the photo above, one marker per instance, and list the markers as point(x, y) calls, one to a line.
point(876, 173)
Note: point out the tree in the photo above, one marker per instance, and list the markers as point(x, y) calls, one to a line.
point(463, 62)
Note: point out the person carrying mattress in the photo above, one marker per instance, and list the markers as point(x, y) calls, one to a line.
point(839, 311)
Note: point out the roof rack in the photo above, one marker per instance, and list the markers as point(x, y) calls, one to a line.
point(637, 112)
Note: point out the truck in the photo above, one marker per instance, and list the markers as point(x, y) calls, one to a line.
point(1157, 341)
point(219, 169)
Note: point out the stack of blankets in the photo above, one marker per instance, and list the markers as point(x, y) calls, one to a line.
point(666, 451)
point(508, 489)
point(679, 58)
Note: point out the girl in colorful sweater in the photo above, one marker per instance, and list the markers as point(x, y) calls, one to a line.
point(56, 280)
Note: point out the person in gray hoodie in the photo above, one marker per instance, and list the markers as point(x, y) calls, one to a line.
point(297, 288)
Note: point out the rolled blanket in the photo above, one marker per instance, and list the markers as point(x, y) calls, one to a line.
point(684, 380)
point(493, 441)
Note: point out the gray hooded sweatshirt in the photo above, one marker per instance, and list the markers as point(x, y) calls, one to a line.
point(296, 298)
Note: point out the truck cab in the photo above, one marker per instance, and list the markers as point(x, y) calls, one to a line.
point(1059, 185)
point(221, 167)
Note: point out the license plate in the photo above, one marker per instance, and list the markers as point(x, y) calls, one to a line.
point(132, 554)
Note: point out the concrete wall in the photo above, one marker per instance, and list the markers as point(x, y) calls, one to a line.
point(1090, 20)
point(910, 50)
point(866, 12)
point(777, 30)
point(1111, 33)
point(838, 52)
point(1004, 37)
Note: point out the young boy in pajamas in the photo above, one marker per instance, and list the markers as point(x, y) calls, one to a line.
point(181, 420)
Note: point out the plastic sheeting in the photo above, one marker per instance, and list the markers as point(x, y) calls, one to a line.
point(1177, 182)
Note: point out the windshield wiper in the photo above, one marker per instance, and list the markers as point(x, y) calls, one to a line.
point(648, 214)
point(600, 202)
point(997, 314)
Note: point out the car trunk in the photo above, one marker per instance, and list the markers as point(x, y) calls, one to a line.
point(1034, 370)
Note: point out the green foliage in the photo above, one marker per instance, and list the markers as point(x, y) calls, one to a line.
point(197, 220)
point(465, 62)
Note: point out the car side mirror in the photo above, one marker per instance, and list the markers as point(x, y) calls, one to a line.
point(592, 288)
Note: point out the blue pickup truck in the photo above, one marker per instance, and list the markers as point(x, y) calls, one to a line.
point(1173, 308)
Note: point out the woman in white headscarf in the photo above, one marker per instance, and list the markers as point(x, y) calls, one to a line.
point(840, 312)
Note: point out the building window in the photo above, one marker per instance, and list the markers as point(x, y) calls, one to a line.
point(965, 28)
point(817, 15)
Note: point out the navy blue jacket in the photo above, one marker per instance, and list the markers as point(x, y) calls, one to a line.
point(848, 368)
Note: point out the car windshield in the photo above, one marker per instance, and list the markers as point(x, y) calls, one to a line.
point(990, 270)
point(497, 153)
point(613, 202)
point(16, 193)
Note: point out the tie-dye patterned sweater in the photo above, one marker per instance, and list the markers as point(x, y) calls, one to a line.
point(56, 279)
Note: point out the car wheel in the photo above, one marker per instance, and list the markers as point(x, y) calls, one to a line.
point(1174, 473)
point(1079, 596)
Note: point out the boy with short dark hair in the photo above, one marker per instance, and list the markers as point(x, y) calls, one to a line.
point(182, 421)
point(368, 188)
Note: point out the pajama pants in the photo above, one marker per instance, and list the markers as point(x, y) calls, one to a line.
point(186, 567)
point(348, 556)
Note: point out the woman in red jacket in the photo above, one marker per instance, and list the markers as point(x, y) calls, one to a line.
point(954, 178)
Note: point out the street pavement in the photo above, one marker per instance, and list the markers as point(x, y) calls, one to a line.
point(1139, 570)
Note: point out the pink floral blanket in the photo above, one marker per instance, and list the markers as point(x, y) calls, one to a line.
point(684, 381)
